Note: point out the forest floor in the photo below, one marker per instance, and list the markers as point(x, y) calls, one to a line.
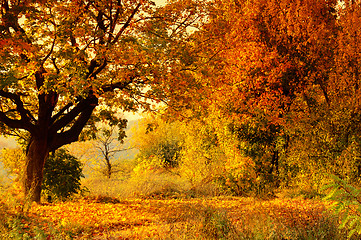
point(182, 218)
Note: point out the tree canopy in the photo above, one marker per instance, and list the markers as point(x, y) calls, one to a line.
point(283, 76)
point(60, 60)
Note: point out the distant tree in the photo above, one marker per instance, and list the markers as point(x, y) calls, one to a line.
point(108, 145)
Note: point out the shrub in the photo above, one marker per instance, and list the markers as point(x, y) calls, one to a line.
point(62, 173)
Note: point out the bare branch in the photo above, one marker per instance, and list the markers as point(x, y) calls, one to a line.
point(72, 135)
point(113, 21)
point(50, 52)
point(14, 123)
point(82, 106)
point(118, 85)
point(127, 23)
point(55, 66)
point(26, 116)
point(182, 24)
point(121, 150)
point(61, 111)
point(99, 69)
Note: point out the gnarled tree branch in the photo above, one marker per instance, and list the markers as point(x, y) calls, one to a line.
point(127, 23)
point(72, 135)
point(26, 116)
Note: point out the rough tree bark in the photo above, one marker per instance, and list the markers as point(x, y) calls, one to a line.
point(36, 155)
point(45, 138)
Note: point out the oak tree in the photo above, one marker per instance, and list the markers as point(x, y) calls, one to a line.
point(62, 59)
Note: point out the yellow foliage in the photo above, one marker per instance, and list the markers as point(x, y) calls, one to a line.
point(13, 160)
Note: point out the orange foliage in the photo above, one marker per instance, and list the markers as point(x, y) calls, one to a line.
point(274, 50)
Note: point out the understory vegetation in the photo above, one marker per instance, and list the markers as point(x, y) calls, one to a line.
point(187, 181)
point(103, 216)
point(158, 203)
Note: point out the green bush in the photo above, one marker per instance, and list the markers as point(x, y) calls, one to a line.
point(62, 173)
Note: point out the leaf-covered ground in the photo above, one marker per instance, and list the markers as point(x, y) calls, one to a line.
point(208, 218)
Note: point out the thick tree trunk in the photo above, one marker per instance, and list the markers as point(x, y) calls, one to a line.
point(36, 155)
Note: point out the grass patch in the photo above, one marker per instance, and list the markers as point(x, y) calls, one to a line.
point(147, 185)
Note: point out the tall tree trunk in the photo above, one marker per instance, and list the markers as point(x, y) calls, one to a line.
point(36, 155)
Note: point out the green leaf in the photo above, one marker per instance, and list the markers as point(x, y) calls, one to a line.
point(349, 235)
point(345, 221)
point(354, 221)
